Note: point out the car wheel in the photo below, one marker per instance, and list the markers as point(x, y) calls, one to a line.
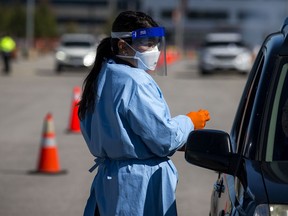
point(243, 73)
point(59, 68)
point(204, 72)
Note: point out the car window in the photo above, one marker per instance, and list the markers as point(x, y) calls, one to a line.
point(76, 44)
point(224, 43)
point(246, 104)
point(277, 141)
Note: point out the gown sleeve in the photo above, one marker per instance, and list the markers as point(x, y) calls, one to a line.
point(149, 117)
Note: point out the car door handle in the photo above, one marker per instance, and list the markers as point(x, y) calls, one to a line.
point(219, 188)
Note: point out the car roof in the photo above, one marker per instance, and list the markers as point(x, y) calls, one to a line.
point(277, 43)
point(284, 45)
point(78, 37)
point(223, 37)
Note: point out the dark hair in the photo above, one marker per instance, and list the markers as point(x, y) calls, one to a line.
point(125, 22)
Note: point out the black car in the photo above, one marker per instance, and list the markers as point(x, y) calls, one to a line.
point(252, 161)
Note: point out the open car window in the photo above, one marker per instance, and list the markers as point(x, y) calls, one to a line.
point(277, 142)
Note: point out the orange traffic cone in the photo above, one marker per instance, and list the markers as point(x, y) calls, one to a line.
point(48, 160)
point(74, 120)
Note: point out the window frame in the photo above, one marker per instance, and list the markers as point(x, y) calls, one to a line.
point(243, 114)
point(269, 110)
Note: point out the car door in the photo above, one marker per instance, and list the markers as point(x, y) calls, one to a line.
point(228, 189)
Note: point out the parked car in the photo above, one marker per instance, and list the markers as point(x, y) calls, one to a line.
point(252, 161)
point(224, 51)
point(75, 50)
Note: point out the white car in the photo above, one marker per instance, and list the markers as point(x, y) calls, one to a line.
point(224, 51)
point(75, 50)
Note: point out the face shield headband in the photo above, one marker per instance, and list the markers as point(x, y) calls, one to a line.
point(148, 60)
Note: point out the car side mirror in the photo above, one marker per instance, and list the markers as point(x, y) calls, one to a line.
point(211, 149)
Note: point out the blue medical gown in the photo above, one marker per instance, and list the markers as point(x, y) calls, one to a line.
point(132, 135)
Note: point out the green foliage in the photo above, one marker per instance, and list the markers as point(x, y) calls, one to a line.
point(13, 20)
point(5, 18)
point(16, 24)
point(45, 22)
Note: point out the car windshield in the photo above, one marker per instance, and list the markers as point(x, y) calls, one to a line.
point(277, 142)
point(76, 44)
point(223, 43)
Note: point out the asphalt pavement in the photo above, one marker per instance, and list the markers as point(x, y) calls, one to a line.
point(33, 89)
point(30, 92)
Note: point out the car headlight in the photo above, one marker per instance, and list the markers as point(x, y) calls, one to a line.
point(261, 210)
point(60, 55)
point(243, 58)
point(278, 210)
point(89, 59)
point(275, 210)
point(207, 57)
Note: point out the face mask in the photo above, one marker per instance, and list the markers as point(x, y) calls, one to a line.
point(147, 60)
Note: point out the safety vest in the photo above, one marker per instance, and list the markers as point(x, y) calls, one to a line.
point(7, 44)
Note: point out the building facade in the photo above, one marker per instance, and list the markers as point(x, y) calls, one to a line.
point(186, 21)
point(93, 16)
point(194, 18)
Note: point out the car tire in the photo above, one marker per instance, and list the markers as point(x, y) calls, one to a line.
point(204, 72)
point(59, 68)
point(243, 73)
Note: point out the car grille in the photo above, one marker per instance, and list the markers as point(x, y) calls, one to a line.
point(223, 57)
point(74, 58)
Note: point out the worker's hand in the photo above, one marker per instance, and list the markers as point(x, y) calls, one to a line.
point(199, 118)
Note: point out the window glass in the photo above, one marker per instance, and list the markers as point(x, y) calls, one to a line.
point(207, 15)
point(239, 129)
point(224, 43)
point(76, 44)
point(277, 142)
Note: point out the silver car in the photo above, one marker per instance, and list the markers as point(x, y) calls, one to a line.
point(224, 51)
point(75, 50)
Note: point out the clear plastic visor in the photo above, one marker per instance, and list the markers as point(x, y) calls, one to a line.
point(150, 48)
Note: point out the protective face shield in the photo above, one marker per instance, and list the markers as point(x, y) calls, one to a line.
point(149, 47)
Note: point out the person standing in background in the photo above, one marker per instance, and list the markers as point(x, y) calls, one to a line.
point(7, 48)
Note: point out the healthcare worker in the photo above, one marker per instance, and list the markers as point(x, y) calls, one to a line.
point(127, 125)
point(7, 47)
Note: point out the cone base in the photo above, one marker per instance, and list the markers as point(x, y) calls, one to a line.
point(36, 172)
point(73, 131)
point(49, 162)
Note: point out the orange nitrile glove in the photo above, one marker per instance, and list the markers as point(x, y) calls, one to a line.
point(199, 118)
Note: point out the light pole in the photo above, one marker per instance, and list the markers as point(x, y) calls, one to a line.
point(179, 21)
point(29, 25)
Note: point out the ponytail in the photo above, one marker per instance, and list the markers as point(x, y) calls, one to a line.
point(126, 21)
point(87, 101)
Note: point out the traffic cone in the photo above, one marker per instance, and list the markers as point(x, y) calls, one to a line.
point(74, 125)
point(48, 162)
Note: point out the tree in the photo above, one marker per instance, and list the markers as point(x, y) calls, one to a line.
point(45, 21)
point(16, 24)
point(13, 20)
